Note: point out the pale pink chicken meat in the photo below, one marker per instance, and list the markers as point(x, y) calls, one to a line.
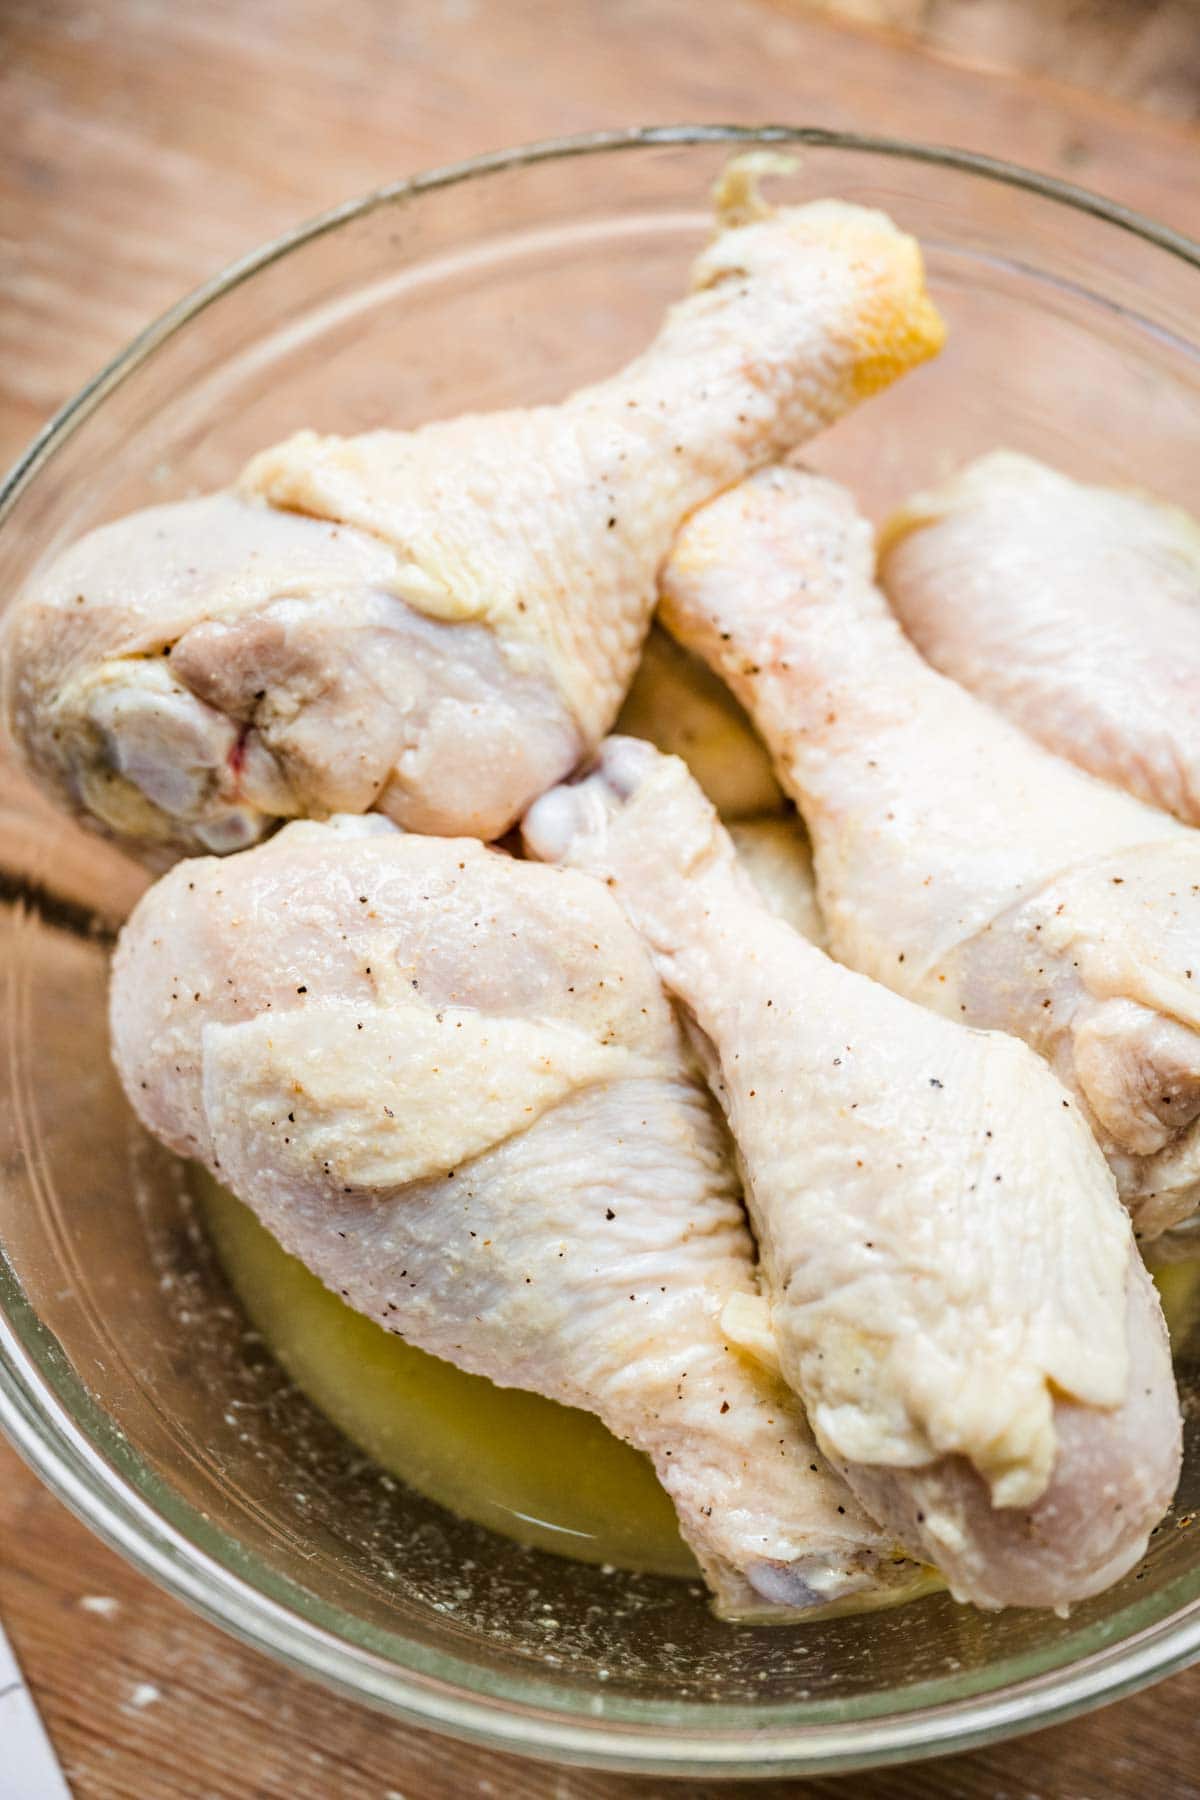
point(952, 1285)
point(438, 623)
point(957, 860)
point(1073, 609)
point(450, 1082)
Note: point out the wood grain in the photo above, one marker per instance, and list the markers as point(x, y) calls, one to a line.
point(144, 144)
point(146, 1702)
point(1146, 52)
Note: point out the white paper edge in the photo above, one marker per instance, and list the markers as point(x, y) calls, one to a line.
point(29, 1769)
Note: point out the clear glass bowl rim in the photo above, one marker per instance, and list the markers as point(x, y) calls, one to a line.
point(68, 1442)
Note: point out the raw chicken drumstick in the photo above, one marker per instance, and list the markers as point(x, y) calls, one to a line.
point(438, 623)
point(1074, 609)
point(451, 1084)
point(954, 1290)
point(957, 860)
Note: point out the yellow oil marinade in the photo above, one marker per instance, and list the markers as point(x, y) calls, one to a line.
point(544, 1474)
point(1178, 1285)
point(541, 1473)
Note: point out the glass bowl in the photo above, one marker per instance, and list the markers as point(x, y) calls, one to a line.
point(128, 1377)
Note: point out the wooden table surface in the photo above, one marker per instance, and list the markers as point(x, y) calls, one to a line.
point(144, 143)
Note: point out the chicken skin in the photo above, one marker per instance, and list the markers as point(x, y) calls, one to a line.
point(677, 704)
point(450, 1083)
point(776, 854)
point(1075, 610)
point(957, 860)
point(436, 624)
point(954, 1290)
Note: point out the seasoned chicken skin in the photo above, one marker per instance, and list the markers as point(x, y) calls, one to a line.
point(957, 860)
point(451, 1084)
point(1074, 609)
point(954, 1289)
point(437, 623)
